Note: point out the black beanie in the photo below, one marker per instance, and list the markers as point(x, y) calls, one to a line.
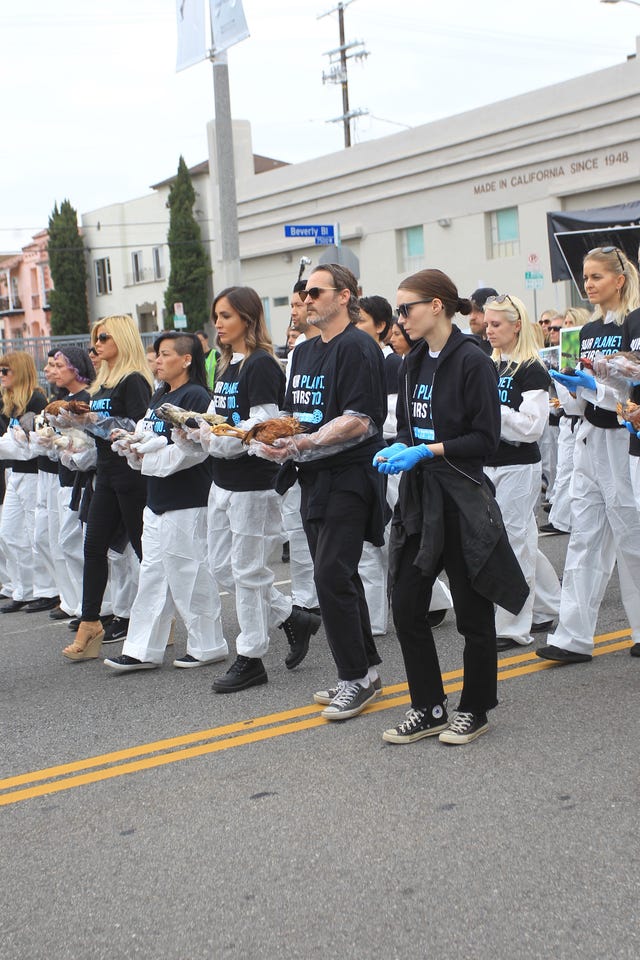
point(80, 361)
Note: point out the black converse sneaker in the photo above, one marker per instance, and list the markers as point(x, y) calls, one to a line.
point(125, 664)
point(349, 701)
point(419, 724)
point(465, 727)
point(326, 696)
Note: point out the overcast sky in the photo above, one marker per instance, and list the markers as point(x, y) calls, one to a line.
point(94, 111)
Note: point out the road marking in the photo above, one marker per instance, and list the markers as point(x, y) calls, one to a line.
point(217, 739)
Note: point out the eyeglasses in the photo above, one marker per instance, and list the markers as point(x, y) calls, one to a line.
point(403, 308)
point(103, 337)
point(609, 250)
point(544, 323)
point(5, 371)
point(314, 292)
point(503, 298)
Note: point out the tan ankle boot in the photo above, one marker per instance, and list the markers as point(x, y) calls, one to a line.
point(87, 641)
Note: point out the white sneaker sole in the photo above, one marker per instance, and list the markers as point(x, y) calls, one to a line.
point(450, 736)
point(391, 736)
point(330, 714)
point(130, 667)
point(322, 696)
point(198, 663)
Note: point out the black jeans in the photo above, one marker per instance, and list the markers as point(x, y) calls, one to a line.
point(119, 496)
point(474, 618)
point(335, 543)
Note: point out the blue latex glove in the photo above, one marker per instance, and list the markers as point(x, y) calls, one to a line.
point(630, 427)
point(405, 459)
point(387, 452)
point(580, 379)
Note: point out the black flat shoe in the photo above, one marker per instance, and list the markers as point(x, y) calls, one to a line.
point(543, 627)
point(557, 654)
point(13, 607)
point(41, 604)
point(505, 643)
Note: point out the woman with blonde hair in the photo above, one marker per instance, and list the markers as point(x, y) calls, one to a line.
point(515, 469)
point(22, 400)
point(122, 388)
point(605, 526)
point(576, 316)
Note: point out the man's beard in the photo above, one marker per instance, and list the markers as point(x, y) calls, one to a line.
point(322, 319)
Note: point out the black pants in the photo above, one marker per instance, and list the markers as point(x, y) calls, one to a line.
point(335, 543)
point(474, 618)
point(119, 496)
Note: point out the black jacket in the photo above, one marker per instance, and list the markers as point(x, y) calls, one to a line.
point(465, 404)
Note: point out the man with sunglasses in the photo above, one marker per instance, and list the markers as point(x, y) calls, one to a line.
point(337, 391)
point(477, 322)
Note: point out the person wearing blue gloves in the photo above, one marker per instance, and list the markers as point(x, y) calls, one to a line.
point(447, 517)
point(605, 525)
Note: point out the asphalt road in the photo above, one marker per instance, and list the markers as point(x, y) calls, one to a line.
point(258, 830)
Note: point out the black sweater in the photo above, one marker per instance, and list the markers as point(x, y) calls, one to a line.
point(465, 405)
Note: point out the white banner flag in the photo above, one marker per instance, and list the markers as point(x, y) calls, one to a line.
point(228, 23)
point(192, 46)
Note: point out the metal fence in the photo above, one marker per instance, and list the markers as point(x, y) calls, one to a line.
point(39, 347)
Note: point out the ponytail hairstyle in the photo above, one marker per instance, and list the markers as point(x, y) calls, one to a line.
point(434, 284)
point(616, 261)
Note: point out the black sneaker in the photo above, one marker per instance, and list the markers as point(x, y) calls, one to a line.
point(244, 672)
point(116, 630)
point(14, 606)
point(41, 604)
point(635, 650)
point(125, 664)
point(188, 662)
point(419, 724)
point(543, 626)
point(326, 696)
point(350, 700)
point(299, 627)
point(74, 623)
point(464, 728)
point(549, 528)
point(560, 655)
point(59, 614)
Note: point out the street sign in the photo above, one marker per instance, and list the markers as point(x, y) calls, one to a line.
point(179, 321)
point(533, 280)
point(311, 231)
point(325, 241)
point(533, 259)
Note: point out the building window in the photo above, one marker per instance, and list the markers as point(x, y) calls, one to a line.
point(281, 301)
point(504, 233)
point(102, 272)
point(158, 264)
point(410, 248)
point(136, 266)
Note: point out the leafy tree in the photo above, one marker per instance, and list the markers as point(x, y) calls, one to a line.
point(68, 299)
point(190, 270)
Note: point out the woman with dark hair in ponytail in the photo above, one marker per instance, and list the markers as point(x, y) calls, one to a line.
point(448, 426)
point(174, 572)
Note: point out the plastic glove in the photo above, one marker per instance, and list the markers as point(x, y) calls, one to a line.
point(150, 443)
point(579, 379)
point(185, 438)
point(40, 442)
point(630, 427)
point(388, 452)
point(405, 460)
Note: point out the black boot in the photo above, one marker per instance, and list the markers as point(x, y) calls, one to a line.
point(244, 672)
point(299, 628)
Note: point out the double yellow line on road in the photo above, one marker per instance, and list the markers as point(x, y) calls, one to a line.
point(162, 752)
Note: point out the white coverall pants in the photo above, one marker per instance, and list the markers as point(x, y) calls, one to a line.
point(244, 528)
point(605, 527)
point(560, 513)
point(17, 530)
point(517, 492)
point(175, 578)
point(548, 444)
point(303, 588)
point(122, 588)
point(46, 533)
point(68, 555)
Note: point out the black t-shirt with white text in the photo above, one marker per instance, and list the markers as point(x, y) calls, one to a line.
point(257, 381)
point(631, 341)
point(188, 488)
point(511, 387)
point(37, 403)
point(129, 398)
point(421, 402)
point(606, 338)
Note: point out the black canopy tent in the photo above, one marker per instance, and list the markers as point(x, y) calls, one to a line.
point(573, 233)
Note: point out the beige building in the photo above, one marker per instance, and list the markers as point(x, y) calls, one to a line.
point(468, 194)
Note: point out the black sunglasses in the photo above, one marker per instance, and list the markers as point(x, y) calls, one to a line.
point(555, 328)
point(4, 371)
point(92, 352)
point(314, 292)
point(403, 308)
point(609, 250)
point(103, 337)
point(503, 298)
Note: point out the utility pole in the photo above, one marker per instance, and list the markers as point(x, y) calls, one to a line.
point(338, 69)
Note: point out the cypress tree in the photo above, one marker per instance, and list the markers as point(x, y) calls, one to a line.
point(68, 299)
point(188, 278)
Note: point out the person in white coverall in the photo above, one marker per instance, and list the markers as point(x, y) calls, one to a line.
point(605, 525)
point(515, 469)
